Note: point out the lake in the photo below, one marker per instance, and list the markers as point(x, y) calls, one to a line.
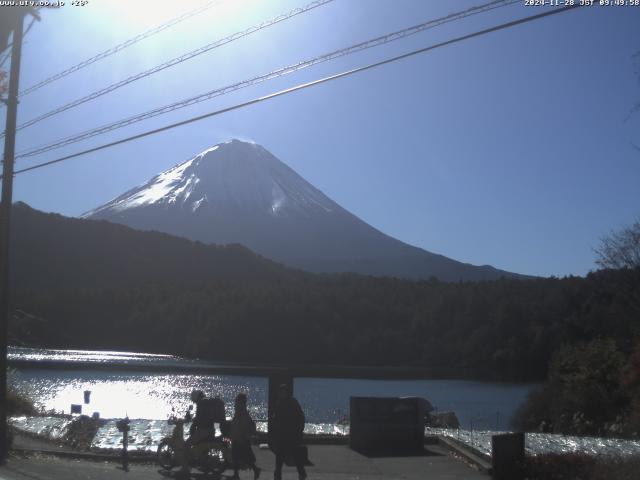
point(152, 394)
point(58, 378)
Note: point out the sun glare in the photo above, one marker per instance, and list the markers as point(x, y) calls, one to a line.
point(150, 13)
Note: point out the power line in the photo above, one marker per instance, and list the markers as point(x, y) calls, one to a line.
point(303, 86)
point(175, 61)
point(118, 48)
point(6, 56)
point(268, 76)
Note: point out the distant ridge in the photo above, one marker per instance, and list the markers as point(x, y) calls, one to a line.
point(238, 192)
point(49, 251)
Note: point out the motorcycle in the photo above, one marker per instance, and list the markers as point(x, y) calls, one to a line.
point(209, 456)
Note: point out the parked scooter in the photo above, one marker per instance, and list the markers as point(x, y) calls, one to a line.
point(209, 456)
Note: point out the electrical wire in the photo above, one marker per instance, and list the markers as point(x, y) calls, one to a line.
point(303, 86)
point(174, 61)
point(268, 76)
point(5, 57)
point(117, 48)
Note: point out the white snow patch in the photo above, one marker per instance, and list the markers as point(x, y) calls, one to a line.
point(196, 205)
point(183, 190)
point(157, 189)
point(208, 150)
point(279, 198)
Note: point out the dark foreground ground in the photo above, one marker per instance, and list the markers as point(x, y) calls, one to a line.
point(336, 462)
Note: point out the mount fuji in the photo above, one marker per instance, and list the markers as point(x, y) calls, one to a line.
point(238, 192)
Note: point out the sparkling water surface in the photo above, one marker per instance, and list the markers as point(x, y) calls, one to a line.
point(539, 443)
point(147, 398)
point(152, 395)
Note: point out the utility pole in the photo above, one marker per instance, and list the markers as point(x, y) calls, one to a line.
point(5, 223)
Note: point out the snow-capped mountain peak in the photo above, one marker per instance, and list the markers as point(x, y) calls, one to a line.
point(238, 192)
point(239, 174)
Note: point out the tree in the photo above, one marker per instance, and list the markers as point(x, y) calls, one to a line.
point(620, 249)
point(583, 394)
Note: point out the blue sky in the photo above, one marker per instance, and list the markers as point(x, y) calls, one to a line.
point(515, 149)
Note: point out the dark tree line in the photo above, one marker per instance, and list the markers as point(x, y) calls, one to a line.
point(505, 329)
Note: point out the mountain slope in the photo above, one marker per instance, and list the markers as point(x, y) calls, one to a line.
point(238, 192)
point(49, 251)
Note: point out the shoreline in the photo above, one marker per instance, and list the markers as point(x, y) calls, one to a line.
point(145, 435)
point(297, 371)
point(102, 435)
point(173, 364)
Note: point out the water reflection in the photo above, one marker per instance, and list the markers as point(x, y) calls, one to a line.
point(40, 354)
point(149, 396)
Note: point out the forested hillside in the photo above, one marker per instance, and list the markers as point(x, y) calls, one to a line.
point(49, 251)
point(506, 329)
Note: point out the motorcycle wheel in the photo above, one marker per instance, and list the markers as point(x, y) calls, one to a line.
point(215, 461)
point(166, 455)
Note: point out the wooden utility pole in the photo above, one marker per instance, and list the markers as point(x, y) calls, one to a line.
point(5, 223)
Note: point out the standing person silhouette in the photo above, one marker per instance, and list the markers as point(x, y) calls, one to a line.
point(242, 428)
point(288, 425)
